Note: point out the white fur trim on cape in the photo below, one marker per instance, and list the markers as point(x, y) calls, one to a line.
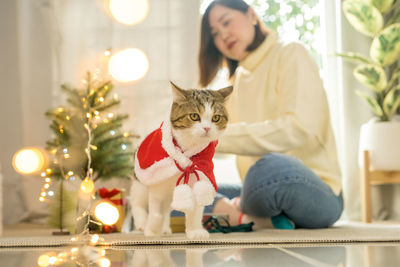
point(204, 192)
point(168, 144)
point(165, 168)
point(157, 172)
point(183, 199)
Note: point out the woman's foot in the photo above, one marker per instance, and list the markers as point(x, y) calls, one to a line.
point(231, 207)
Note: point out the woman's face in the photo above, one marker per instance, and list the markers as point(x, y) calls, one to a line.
point(233, 31)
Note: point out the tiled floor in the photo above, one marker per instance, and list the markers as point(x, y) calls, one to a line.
point(349, 255)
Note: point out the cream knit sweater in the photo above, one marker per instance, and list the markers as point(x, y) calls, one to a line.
point(279, 105)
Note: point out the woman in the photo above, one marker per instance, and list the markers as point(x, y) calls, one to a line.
point(280, 127)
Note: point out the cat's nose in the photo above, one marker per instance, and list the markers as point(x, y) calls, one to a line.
point(207, 129)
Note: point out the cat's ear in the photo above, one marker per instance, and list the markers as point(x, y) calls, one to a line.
point(225, 92)
point(178, 94)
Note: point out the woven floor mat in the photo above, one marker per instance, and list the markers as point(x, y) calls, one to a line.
point(345, 233)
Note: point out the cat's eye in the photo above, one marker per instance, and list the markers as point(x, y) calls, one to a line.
point(216, 118)
point(194, 117)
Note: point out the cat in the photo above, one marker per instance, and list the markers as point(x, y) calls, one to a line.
point(174, 165)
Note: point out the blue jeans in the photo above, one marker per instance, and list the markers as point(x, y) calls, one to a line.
point(280, 184)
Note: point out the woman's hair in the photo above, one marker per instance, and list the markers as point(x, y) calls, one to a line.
point(210, 58)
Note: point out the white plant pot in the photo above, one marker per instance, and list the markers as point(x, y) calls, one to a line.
point(382, 140)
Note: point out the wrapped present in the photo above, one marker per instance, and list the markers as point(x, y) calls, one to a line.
point(177, 224)
point(118, 199)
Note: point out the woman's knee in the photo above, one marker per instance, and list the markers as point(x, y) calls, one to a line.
point(322, 212)
point(273, 168)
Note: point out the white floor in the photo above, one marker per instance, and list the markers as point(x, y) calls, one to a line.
point(350, 255)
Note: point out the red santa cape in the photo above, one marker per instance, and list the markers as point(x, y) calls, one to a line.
point(159, 157)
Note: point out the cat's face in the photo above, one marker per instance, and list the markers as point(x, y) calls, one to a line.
point(199, 113)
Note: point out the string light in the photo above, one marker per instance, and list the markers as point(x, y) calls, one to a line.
point(43, 260)
point(87, 185)
point(94, 239)
point(107, 53)
point(84, 256)
point(104, 262)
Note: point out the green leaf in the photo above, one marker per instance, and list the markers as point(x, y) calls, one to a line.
point(382, 5)
point(385, 48)
point(364, 17)
point(372, 76)
point(376, 108)
point(391, 102)
point(354, 56)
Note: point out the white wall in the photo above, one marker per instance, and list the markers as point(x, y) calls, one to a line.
point(46, 43)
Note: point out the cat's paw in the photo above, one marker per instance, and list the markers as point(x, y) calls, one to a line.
point(204, 193)
point(139, 228)
point(167, 231)
point(197, 234)
point(148, 232)
point(139, 225)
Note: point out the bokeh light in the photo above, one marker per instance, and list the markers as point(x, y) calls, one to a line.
point(87, 185)
point(43, 260)
point(106, 213)
point(128, 65)
point(129, 12)
point(28, 160)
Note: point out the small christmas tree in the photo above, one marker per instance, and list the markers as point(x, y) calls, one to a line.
point(88, 140)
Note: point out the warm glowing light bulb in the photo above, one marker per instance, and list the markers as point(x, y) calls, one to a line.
point(28, 160)
point(129, 12)
point(106, 213)
point(53, 260)
point(87, 185)
point(94, 239)
point(128, 65)
point(43, 260)
point(104, 262)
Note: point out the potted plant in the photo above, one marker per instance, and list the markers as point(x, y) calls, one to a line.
point(380, 72)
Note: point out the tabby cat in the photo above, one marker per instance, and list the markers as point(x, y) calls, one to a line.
point(174, 165)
